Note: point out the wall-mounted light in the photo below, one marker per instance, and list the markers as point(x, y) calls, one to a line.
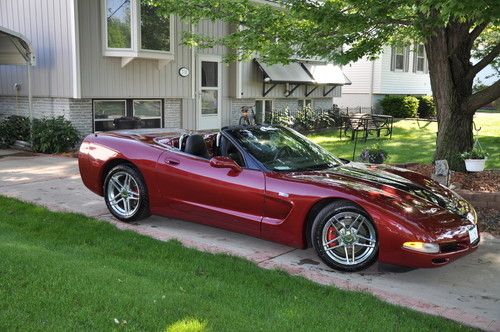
point(267, 79)
point(287, 89)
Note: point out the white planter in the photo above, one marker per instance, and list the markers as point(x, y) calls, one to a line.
point(475, 165)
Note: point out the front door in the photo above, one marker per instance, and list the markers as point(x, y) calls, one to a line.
point(209, 92)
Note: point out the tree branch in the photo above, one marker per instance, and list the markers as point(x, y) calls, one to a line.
point(484, 97)
point(477, 31)
point(484, 62)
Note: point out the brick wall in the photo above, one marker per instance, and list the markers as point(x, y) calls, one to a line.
point(173, 113)
point(236, 105)
point(78, 111)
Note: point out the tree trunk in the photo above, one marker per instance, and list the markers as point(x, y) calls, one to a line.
point(449, 51)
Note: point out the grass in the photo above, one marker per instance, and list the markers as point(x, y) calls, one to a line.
point(414, 141)
point(63, 271)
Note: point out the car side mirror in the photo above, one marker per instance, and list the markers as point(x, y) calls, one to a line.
point(225, 162)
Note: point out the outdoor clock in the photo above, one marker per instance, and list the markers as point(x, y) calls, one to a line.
point(183, 71)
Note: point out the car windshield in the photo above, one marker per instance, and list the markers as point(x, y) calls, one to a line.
point(283, 149)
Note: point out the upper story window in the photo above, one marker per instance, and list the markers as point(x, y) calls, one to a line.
point(118, 24)
point(419, 61)
point(399, 58)
point(135, 29)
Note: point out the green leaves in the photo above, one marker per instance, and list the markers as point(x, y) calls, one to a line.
point(337, 30)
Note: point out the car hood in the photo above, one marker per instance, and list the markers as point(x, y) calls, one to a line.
point(408, 187)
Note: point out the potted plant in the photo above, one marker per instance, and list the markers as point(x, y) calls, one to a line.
point(475, 159)
point(374, 154)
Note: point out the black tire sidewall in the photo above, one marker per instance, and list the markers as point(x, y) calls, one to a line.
point(143, 210)
point(317, 229)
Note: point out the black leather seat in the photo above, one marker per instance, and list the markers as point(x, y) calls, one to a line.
point(195, 145)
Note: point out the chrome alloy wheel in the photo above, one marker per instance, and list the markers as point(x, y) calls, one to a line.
point(123, 194)
point(349, 238)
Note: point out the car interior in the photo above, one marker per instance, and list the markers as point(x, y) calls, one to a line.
point(208, 146)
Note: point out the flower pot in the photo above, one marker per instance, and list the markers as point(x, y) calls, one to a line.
point(475, 165)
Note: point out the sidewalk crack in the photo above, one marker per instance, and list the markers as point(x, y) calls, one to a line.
point(270, 258)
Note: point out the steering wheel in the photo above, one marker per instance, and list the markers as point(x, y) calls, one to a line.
point(284, 150)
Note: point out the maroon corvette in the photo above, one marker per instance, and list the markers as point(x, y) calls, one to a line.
point(273, 183)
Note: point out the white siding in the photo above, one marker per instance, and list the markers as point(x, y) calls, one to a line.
point(360, 74)
point(47, 24)
point(104, 77)
point(403, 83)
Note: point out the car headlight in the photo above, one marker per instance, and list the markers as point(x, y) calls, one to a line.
point(429, 248)
point(472, 215)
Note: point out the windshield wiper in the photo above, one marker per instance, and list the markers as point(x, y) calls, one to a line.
point(318, 167)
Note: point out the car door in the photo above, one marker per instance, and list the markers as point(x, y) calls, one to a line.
point(191, 189)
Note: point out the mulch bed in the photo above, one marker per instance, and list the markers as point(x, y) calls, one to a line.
point(486, 181)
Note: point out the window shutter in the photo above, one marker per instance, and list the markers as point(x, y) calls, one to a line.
point(407, 58)
point(426, 62)
point(415, 58)
point(393, 58)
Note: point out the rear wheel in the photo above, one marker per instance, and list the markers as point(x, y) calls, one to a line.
point(344, 237)
point(126, 194)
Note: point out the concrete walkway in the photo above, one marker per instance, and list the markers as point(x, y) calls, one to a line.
point(467, 290)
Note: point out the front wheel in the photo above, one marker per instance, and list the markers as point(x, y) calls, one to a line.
point(126, 194)
point(344, 237)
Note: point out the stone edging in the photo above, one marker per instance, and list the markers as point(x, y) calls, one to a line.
point(489, 200)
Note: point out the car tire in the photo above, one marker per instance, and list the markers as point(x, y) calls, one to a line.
point(345, 237)
point(126, 194)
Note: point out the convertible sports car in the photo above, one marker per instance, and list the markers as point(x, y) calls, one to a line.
point(271, 182)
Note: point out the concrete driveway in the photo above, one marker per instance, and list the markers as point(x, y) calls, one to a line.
point(467, 290)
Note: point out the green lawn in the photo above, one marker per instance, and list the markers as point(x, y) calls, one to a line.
point(414, 141)
point(62, 271)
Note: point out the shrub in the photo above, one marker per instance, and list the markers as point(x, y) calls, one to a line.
point(426, 107)
point(400, 107)
point(305, 119)
point(374, 154)
point(54, 135)
point(279, 117)
point(14, 128)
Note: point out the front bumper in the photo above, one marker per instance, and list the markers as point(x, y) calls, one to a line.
point(450, 251)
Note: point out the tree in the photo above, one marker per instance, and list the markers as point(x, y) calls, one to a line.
point(323, 28)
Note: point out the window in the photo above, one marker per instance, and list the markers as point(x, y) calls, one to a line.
point(118, 22)
point(150, 111)
point(209, 88)
point(419, 58)
point(133, 28)
point(399, 58)
point(305, 103)
point(105, 111)
point(155, 29)
point(263, 110)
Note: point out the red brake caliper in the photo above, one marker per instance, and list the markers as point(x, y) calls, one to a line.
point(332, 234)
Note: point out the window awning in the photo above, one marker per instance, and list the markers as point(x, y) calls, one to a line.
point(327, 74)
point(291, 73)
point(15, 49)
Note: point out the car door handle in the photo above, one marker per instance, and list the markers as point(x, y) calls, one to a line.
point(172, 161)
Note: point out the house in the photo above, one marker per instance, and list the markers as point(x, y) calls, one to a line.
point(97, 60)
point(397, 71)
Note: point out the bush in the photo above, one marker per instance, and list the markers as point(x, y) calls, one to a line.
point(400, 107)
point(426, 107)
point(280, 117)
point(374, 154)
point(305, 119)
point(54, 135)
point(14, 128)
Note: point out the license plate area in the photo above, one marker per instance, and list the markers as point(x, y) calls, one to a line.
point(473, 234)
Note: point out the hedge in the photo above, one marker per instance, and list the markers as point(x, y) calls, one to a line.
point(399, 106)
